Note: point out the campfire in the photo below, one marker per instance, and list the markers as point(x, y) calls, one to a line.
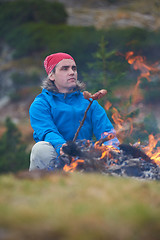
point(127, 160)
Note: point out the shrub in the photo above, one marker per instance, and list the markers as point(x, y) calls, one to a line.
point(16, 13)
point(14, 156)
point(46, 38)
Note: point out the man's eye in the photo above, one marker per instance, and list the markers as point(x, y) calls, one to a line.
point(65, 68)
point(74, 68)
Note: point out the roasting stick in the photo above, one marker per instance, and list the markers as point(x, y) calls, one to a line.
point(87, 95)
point(82, 122)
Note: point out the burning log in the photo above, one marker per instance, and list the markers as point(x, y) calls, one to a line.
point(72, 149)
point(135, 152)
point(84, 156)
point(124, 162)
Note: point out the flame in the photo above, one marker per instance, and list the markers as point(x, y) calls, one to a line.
point(106, 150)
point(117, 118)
point(152, 150)
point(108, 104)
point(123, 125)
point(73, 165)
point(139, 63)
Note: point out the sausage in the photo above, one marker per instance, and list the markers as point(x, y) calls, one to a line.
point(101, 93)
point(87, 95)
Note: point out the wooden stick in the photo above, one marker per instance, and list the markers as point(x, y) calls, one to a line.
point(82, 122)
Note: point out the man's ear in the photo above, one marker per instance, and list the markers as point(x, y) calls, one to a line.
point(52, 77)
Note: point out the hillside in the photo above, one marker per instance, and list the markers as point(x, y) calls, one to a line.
point(117, 14)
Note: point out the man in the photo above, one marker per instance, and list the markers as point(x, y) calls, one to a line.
point(56, 113)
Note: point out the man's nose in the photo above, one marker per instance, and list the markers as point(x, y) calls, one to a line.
point(71, 71)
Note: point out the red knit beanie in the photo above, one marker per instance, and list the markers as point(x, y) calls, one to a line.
point(52, 60)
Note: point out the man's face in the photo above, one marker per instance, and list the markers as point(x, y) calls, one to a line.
point(65, 76)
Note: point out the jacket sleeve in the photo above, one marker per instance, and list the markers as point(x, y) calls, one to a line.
point(102, 125)
point(43, 125)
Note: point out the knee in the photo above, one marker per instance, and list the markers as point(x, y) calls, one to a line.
point(42, 150)
point(40, 147)
point(41, 155)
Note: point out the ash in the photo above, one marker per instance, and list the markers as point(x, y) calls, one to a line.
point(127, 161)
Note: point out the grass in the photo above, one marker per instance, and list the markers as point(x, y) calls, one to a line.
point(79, 206)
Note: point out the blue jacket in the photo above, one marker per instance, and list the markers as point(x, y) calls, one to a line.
point(55, 118)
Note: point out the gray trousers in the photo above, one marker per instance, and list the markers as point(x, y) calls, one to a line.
point(42, 155)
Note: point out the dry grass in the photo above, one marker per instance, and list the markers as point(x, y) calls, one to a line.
point(79, 206)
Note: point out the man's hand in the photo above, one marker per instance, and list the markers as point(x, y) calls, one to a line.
point(61, 151)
